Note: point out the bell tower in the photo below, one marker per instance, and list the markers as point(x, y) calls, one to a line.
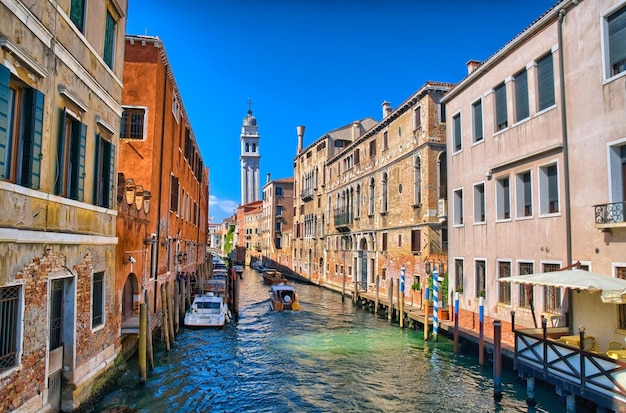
point(250, 158)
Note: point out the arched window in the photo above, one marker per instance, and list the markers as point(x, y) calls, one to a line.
point(385, 191)
point(247, 147)
point(371, 203)
point(417, 181)
point(357, 201)
point(254, 147)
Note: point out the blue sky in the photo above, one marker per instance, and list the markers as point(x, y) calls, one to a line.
point(318, 63)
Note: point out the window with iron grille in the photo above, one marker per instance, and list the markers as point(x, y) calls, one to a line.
point(504, 270)
point(97, 299)
point(56, 313)
point(132, 123)
point(481, 278)
point(551, 295)
point(526, 294)
point(9, 326)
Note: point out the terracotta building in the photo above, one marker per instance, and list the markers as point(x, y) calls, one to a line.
point(277, 218)
point(536, 160)
point(248, 228)
point(159, 153)
point(61, 83)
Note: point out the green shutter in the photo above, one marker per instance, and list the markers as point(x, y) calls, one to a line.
point(478, 120)
point(111, 175)
point(96, 171)
point(31, 139)
point(5, 77)
point(545, 73)
point(501, 115)
point(82, 148)
point(60, 169)
point(521, 96)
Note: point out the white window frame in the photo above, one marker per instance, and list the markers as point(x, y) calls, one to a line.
point(520, 197)
point(604, 38)
point(500, 198)
point(544, 190)
point(478, 199)
point(457, 207)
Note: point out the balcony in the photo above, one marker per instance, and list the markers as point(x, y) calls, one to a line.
point(442, 209)
point(343, 220)
point(610, 215)
point(306, 194)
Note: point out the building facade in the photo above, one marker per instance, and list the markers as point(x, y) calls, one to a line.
point(250, 159)
point(249, 231)
point(536, 176)
point(60, 93)
point(277, 218)
point(159, 152)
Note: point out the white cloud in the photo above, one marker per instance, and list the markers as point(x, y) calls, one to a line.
point(219, 209)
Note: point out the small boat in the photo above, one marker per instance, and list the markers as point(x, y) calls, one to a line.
point(207, 310)
point(271, 276)
point(239, 270)
point(283, 297)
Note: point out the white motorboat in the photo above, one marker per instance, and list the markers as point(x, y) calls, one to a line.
point(283, 297)
point(207, 310)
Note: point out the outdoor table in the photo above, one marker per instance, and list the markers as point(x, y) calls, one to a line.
point(573, 340)
point(616, 354)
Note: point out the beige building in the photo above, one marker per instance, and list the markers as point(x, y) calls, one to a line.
point(277, 218)
point(536, 177)
point(60, 90)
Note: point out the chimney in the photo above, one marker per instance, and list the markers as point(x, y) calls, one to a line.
point(300, 130)
point(472, 65)
point(268, 178)
point(386, 109)
point(356, 127)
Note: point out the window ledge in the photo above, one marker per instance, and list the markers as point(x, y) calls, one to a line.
point(416, 206)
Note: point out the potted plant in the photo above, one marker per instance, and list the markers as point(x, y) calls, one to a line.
point(481, 293)
point(459, 289)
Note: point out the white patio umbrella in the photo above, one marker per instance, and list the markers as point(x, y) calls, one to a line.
point(612, 290)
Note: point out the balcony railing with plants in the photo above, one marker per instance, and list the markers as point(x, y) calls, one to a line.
point(610, 215)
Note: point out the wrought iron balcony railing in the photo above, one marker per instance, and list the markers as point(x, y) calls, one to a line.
point(610, 215)
point(343, 219)
point(306, 194)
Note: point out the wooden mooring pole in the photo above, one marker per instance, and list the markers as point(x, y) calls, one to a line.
point(343, 287)
point(142, 344)
point(481, 332)
point(377, 300)
point(497, 360)
point(165, 326)
point(149, 335)
point(390, 300)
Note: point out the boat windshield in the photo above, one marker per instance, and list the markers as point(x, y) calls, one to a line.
point(209, 305)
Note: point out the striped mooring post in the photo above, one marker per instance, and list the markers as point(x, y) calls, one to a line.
point(435, 303)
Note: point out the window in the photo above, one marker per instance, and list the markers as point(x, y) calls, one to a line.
point(417, 181)
point(70, 162)
point(456, 132)
point(174, 194)
point(279, 191)
point(371, 198)
point(479, 203)
point(551, 295)
point(372, 148)
point(524, 195)
point(620, 272)
point(384, 242)
point(277, 243)
point(504, 288)
point(77, 14)
point(417, 117)
point(104, 169)
point(477, 119)
point(279, 227)
point(132, 124)
point(549, 189)
point(615, 26)
point(521, 96)
point(458, 275)
point(109, 39)
point(9, 326)
point(458, 207)
point(97, 299)
point(399, 240)
point(385, 140)
point(385, 192)
point(175, 108)
point(21, 126)
point(526, 294)
point(357, 201)
point(503, 198)
point(279, 211)
point(481, 278)
point(416, 241)
point(502, 120)
point(545, 85)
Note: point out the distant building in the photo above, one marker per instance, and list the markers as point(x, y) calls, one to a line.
point(61, 66)
point(277, 218)
point(249, 223)
point(215, 236)
point(250, 159)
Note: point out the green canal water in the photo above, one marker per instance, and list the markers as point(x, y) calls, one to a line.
point(329, 357)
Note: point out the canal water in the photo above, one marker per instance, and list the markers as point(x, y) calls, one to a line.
point(328, 357)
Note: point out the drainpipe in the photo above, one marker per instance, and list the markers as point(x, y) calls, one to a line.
point(158, 244)
point(566, 210)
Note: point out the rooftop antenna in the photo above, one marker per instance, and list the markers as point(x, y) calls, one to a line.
point(146, 31)
point(249, 105)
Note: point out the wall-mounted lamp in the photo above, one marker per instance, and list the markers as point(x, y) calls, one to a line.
point(427, 267)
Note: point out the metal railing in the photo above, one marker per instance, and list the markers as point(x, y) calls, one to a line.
point(342, 217)
point(610, 214)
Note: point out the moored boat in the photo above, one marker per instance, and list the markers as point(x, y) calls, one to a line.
point(207, 310)
point(284, 297)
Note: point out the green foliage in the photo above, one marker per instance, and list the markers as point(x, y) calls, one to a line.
point(228, 242)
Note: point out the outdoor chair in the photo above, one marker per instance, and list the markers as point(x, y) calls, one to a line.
point(614, 345)
point(589, 344)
